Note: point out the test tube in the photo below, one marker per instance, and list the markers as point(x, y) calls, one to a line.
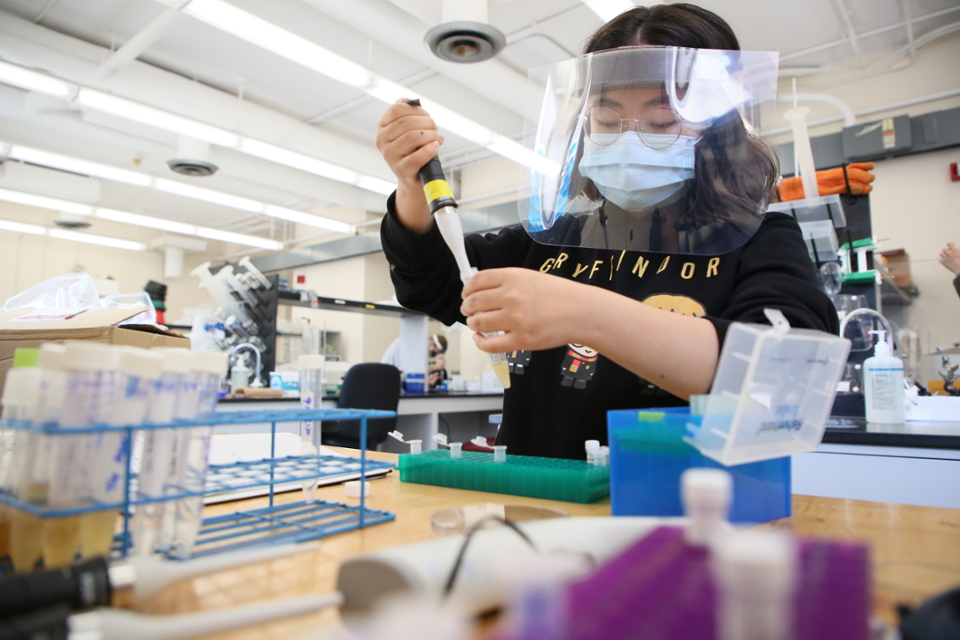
point(158, 448)
point(70, 463)
point(96, 528)
point(31, 466)
point(311, 395)
point(124, 393)
point(187, 406)
point(499, 453)
point(20, 393)
point(210, 367)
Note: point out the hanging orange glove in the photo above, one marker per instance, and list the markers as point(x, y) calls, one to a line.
point(831, 181)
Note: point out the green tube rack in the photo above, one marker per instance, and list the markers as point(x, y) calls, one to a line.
point(548, 478)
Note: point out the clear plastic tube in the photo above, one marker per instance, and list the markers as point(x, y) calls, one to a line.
point(158, 449)
point(31, 469)
point(71, 455)
point(124, 394)
point(19, 403)
point(209, 367)
point(311, 395)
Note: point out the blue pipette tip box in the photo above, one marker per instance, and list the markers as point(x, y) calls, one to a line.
point(648, 454)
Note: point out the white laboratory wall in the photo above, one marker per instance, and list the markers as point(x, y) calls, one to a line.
point(915, 206)
point(26, 260)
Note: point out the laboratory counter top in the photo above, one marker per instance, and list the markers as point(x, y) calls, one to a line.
point(914, 550)
point(914, 434)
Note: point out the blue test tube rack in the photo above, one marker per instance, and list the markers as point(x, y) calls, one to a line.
point(274, 524)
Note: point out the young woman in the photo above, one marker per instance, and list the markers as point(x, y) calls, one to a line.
point(644, 237)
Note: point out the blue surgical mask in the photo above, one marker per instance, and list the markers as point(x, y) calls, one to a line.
point(634, 176)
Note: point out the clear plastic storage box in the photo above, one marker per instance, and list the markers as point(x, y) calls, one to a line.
point(772, 393)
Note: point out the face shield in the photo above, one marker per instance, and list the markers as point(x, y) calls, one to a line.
point(649, 149)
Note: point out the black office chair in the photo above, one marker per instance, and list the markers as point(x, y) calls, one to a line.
point(370, 385)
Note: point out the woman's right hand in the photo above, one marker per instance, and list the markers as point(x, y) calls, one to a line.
point(407, 138)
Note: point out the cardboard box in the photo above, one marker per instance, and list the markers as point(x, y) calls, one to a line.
point(26, 328)
point(898, 266)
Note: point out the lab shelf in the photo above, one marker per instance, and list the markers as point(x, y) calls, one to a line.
point(548, 478)
point(272, 525)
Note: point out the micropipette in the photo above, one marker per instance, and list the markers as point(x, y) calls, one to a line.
point(98, 583)
point(443, 207)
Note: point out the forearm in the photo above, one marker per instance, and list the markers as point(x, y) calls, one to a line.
point(677, 353)
point(413, 212)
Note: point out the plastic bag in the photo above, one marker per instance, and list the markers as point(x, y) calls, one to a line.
point(141, 298)
point(69, 291)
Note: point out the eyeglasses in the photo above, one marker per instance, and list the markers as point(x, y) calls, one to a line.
point(658, 128)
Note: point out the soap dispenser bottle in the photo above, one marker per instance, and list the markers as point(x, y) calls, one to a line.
point(883, 384)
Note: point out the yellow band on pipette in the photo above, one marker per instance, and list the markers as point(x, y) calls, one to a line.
point(436, 189)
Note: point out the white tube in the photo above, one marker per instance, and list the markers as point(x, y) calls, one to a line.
point(31, 477)
point(210, 367)
point(117, 624)
point(158, 448)
point(154, 574)
point(801, 143)
point(499, 453)
point(755, 574)
point(456, 449)
point(416, 446)
point(311, 395)
point(73, 457)
point(706, 495)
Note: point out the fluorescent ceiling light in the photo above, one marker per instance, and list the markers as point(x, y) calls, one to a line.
point(258, 31)
point(147, 221)
point(117, 243)
point(84, 167)
point(300, 217)
point(45, 202)
point(300, 161)
point(140, 221)
point(33, 81)
point(246, 26)
point(228, 236)
point(20, 227)
point(610, 9)
point(76, 165)
point(155, 117)
point(208, 195)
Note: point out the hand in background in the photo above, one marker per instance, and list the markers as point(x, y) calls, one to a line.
point(950, 258)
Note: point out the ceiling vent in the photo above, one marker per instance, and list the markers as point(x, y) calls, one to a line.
point(69, 220)
point(464, 34)
point(193, 158)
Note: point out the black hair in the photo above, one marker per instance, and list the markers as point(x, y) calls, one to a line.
point(736, 169)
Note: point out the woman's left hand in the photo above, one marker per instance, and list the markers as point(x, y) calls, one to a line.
point(534, 310)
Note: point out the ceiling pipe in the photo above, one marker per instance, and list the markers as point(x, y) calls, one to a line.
point(139, 43)
point(866, 34)
point(849, 119)
point(404, 33)
point(22, 42)
point(942, 95)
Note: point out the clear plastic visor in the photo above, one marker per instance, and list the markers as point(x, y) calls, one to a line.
point(649, 149)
